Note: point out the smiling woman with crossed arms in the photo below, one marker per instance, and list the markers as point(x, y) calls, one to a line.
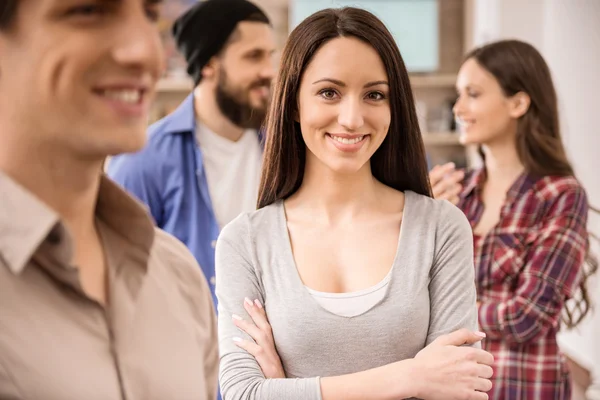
point(367, 281)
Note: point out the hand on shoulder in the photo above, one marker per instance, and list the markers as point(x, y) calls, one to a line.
point(446, 182)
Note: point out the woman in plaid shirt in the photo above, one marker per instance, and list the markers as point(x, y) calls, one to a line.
point(529, 216)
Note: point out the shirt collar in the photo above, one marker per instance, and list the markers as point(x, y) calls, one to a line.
point(475, 179)
point(26, 223)
point(183, 119)
point(524, 182)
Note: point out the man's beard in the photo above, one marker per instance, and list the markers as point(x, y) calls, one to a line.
point(235, 104)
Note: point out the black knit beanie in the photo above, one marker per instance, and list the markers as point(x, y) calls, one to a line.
point(201, 32)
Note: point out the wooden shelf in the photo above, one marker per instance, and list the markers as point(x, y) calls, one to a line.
point(441, 139)
point(433, 81)
point(171, 85)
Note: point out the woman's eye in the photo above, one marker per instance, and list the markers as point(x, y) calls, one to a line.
point(376, 96)
point(327, 94)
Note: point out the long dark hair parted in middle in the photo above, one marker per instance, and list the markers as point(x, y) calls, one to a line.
point(399, 162)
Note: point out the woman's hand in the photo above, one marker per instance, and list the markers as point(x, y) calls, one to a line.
point(449, 370)
point(444, 370)
point(263, 348)
point(445, 182)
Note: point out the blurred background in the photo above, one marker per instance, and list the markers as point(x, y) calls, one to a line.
point(433, 36)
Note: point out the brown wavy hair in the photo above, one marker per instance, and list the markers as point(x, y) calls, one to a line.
point(519, 67)
point(400, 160)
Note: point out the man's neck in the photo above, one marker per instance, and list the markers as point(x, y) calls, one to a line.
point(67, 185)
point(208, 113)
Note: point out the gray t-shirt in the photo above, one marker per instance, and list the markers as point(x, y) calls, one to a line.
point(431, 292)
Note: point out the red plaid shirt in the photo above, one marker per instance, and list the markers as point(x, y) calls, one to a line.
point(526, 268)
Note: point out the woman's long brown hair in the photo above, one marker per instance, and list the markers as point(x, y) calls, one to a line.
point(519, 67)
point(400, 160)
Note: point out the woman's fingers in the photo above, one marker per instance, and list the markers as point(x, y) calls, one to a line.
point(448, 186)
point(257, 313)
point(485, 371)
point(483, 385)
point(247, 345)
point(483, 357)
point(259, 328)
point(252, 330)
point(480, 396)
point(439, 171)
point(263, 347)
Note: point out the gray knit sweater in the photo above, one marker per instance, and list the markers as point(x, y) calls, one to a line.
point(431, 292)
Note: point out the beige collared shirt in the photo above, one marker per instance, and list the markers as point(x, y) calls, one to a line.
point(156, 338)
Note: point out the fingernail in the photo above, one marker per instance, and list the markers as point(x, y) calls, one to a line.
point(257, 302)
point(480, 334)
point(237, 339)
point(234, 316)
point(248, 301)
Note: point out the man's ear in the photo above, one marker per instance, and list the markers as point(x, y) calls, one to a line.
point(519, 104)
point(211, 69)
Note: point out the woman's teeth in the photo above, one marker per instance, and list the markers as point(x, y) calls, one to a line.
point(346, 140)
point(463, 123)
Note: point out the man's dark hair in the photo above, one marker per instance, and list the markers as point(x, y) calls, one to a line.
point(207, 27)
point(235, 35)
point(8, 9)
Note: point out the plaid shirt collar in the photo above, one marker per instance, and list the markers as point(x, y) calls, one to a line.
point(474, 183)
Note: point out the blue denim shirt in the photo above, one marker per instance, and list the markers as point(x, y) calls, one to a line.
point(168, 176)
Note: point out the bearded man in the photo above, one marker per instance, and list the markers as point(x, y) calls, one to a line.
point(201, 167)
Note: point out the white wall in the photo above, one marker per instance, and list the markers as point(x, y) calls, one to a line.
point(572, 48)
point(567, 33)
point(507, 19)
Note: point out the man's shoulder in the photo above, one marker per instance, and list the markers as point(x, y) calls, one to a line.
point(175, 271)
point(161, 129)
point(162, 135)
point(171, 259)
point(162, 149)
point(175, 125)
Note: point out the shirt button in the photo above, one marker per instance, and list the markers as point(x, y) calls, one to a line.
point(213, 244)
point(213, 281)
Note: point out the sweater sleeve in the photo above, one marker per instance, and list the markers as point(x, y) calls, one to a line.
point(240, 375)
point(452, 279)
